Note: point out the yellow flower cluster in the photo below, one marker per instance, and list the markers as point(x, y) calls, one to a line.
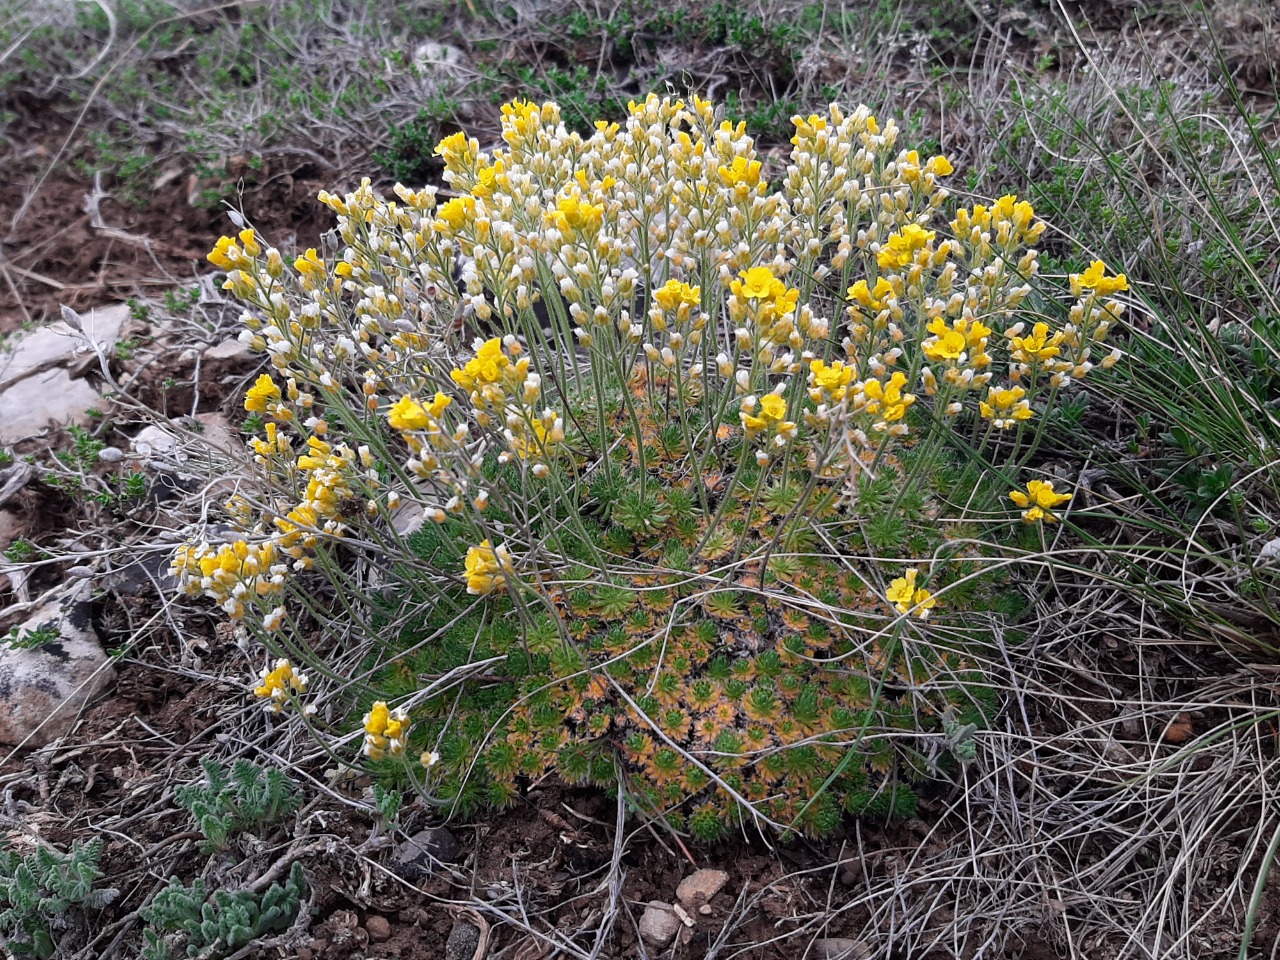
point(504, 389)
point(487, 568)
point(231, 573)
point(1038, 501)
point(386, 731)
point(279, 685)
point(676, 314)
point(909, 598)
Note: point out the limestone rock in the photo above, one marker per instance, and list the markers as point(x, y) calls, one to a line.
point(218, 433)
point(700, 886)
point(29, 405)
point(230, 351)
point(60, 345)
point(155, 441)
point(659, 923)
point(44, 685)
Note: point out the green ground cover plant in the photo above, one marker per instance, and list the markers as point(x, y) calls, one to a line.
point(45, 893)
point(202, 924)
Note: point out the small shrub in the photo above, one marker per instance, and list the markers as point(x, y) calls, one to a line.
point(688, 530)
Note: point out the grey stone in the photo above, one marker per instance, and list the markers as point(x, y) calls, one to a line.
point(13, 478)
point(110, 454)
point(839, 948)
point(29, 405)
point(146, 576)
point(416, 858)
point(43, 687)
point(659, 923)
point(11, 528)
point(700, 886)
point(218, 432)
point(59, 345)
point(462, 942)
point(408, 518)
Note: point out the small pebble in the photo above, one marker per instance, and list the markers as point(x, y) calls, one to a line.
point(705, 909)
point(84, 573)
point(379, 928)
point(659, 924)
point(110, 454)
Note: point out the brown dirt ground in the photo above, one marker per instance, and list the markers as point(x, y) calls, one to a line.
point(55, 255)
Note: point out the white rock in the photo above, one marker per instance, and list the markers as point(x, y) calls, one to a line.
point(218, 432)
point(228, 351)
point(59, 345)
point(43, 687)
point(1269, 552)
point(29, 405)
point(110, 454)
point(431, 59)
point(659, 923)
point(155, 441)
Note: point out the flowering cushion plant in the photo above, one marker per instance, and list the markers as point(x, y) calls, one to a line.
point(691, 479)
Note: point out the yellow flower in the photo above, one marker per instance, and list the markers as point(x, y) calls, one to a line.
point(278, 685)
point(486, 367)
point(1038, 501)
point(674, 294)
point(773, 410)
point(249, 240)
point(829, 383)
point(262, 394)
point(486, 567)
point(452, 146)
point(757, 283)
point(451, 216)
point(886, 400)
point(900, 248)
point(309, 264)
point(908, 598)
point(807, 128)
point(742, 171)
point(946, 343)
point(574, 215)
point(225, 255)
point(939, 166)
point(385, 731)
point(487, 178)
point(1005, 406)
point(1095, 279)
point(1036, 347)
point(409, 413)
point(953, 341)
point(871, 299)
